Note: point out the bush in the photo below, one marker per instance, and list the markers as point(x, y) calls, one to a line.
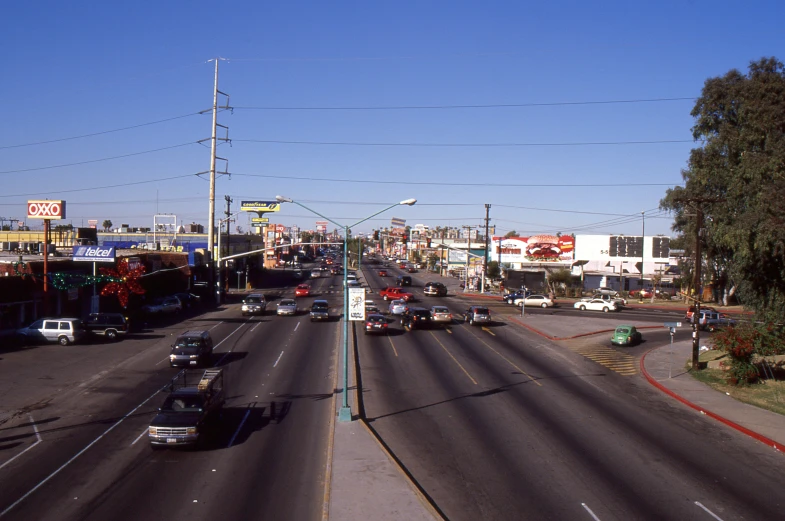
point(743, 343)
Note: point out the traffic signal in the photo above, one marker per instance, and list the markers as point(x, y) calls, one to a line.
point(376, 235)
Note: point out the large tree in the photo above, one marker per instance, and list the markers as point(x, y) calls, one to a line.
point(737, 179)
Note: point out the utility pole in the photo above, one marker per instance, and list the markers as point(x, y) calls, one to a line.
point(696, 280)
point(468, 249)
point(213, 158)
point(485, 256)
point(228, 240)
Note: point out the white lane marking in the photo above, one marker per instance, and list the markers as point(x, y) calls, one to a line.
point(239, 428)
point(712, 514)
point(139, 437)
point(162, 361)
point(230, 334)
point(295, 327)
point(586, 507)
point(279, 359)
point(257, 325)
point(38, 440)
point(218, 324)
point(64, 465)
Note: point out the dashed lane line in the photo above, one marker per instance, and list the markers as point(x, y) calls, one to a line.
point(507, 360)
point(393, 346)
point(454, 359)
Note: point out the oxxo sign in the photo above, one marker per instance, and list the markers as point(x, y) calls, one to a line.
point(46, 209)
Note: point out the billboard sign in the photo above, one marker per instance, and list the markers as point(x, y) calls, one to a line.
point(356, 304)
point(280, 228)
point(322, 223)
point(93, 254)
point(537, 248)
point(395, 222)
point(260, 206)
point(46, 209)
point(260, 219)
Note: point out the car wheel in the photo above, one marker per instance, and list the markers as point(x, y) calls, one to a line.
point(605, 309)
point(471, 321)
point(583, 308)
point(544, 305)
point(63, 341)
point(111, 334)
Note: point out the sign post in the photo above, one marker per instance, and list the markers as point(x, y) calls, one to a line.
point(46, 210)
point(356, 304)
point(672, 327)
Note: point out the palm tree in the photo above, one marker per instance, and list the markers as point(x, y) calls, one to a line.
point(107, 224)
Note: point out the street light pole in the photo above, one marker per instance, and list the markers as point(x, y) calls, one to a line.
point(345, 413)
point(643, 257)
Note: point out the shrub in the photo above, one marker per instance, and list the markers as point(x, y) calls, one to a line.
point(742, 343)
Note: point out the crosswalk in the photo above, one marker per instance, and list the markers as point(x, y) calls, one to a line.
point(612, 359)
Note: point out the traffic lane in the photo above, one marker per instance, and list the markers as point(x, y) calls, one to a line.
point(269, 456)
point(577, 451)
point(74, 423)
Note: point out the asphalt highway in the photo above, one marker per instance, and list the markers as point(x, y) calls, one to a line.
point(498, 423)
point(266, 459)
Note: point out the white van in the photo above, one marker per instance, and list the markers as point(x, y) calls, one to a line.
point(64, 331)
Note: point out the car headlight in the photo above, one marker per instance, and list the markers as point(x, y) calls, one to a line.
point(171, 357)
point(191, 430)
point(152, 431)
point(193, 356)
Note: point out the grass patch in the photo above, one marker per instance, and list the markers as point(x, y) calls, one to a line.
point(767, 394)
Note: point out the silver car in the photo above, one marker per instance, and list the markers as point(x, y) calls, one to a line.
point(287, 307)
point(398, 307)
point(64, 331)
point(254, 304)
point(441, 315)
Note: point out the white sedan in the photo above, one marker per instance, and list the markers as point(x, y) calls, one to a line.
point(596, 304)
point(540, 301)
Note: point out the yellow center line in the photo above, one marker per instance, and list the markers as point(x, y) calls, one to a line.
point(488, 330)
point(448, 330)
point(454, 359)
point(392, 345)
point(507, 360)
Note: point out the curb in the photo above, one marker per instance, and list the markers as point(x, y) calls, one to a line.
point(557, 338)
point(761, 438)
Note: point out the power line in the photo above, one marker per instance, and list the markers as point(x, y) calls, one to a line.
point(441, 183)
point(96, 160)
point(478, 106)
point(120, 185)
point(464, 145)
point(59, 140)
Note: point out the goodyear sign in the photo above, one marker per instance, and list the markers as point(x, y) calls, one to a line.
point(260, 206)
point(93, 254)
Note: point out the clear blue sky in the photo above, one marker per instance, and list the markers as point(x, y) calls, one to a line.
point(75, 68)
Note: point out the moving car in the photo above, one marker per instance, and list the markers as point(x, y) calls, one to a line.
point(441, 315)
point(619, 301)
point(691, 311)
point(287, 306)
point(382, 273)
point(192, 349)
point(254, 304)
point(391, 292)
point(477, 315)
point(435, 289)
point(626, 336)
point(398, 307)
point(163, 306)
point(412, 269)
point(303, 290)
point(64, 331)
point(375, 323)
point(510, 298)
point(540, 301)
point(596, 304)
point(416, 318)
point(315, 274)
point(712, 321)
point(404, 280)
point(109, 325)
point(320, 310)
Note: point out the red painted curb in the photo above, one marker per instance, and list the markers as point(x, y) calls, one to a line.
point(478, 295)
point(574, 336)
point(761, 438)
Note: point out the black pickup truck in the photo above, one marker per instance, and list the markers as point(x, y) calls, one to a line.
point(195, 400)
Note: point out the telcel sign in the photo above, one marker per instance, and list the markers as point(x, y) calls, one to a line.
point(46, 209)
point(93, 254)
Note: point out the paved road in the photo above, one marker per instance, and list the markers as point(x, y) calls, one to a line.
point(267, 461)
point(500, 423)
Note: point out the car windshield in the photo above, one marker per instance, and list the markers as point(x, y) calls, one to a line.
point(622, 331)
point(376, 318)
point(253, 300)
point(484, 311)
point(287, 303)
point(183, 404)
point(441, 310)
point(319, 306)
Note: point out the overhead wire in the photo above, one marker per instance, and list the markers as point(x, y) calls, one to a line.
point(464, 145)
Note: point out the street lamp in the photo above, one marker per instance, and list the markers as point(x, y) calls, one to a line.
point(345, 413)
point(643, 257)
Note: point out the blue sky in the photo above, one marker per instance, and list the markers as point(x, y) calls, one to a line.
point(79, 68)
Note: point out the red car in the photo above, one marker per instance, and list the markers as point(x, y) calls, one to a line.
point(303, 290)
point(382, 273)
point(412, 269)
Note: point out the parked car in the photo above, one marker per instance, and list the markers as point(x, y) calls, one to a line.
point(416, 318)
point(287, 306)
point(596, 304)
point(320, 310)
point(64, 331)
point(375, 323)
point(712, 321)
point(626, 336)
point(477, 315)
point(164, 305)
point(398, 307)
point(607, 291)
point(619, 301)
point(540, 301)
point(435, 289)
point(192, 349)
point(302, 290)
point(441, 315)
point(109, 325)
point(254, 304)
point(188, 300)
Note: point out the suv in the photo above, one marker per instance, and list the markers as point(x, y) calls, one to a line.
point(415, 318)
point(404, 280)
point(435, 289)
point(192, 349)
point(110, 325)
point(477, 315)
point(64, 331)
point(254, 304)
point(320, 310)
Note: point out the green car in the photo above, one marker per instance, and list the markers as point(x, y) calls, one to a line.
point(626, 336)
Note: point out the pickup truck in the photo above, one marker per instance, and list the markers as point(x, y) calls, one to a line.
point(396, 293)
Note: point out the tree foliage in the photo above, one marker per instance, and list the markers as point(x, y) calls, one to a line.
point(494, 271)
point(737, 178)
point(511, 233)
point(107, 224)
